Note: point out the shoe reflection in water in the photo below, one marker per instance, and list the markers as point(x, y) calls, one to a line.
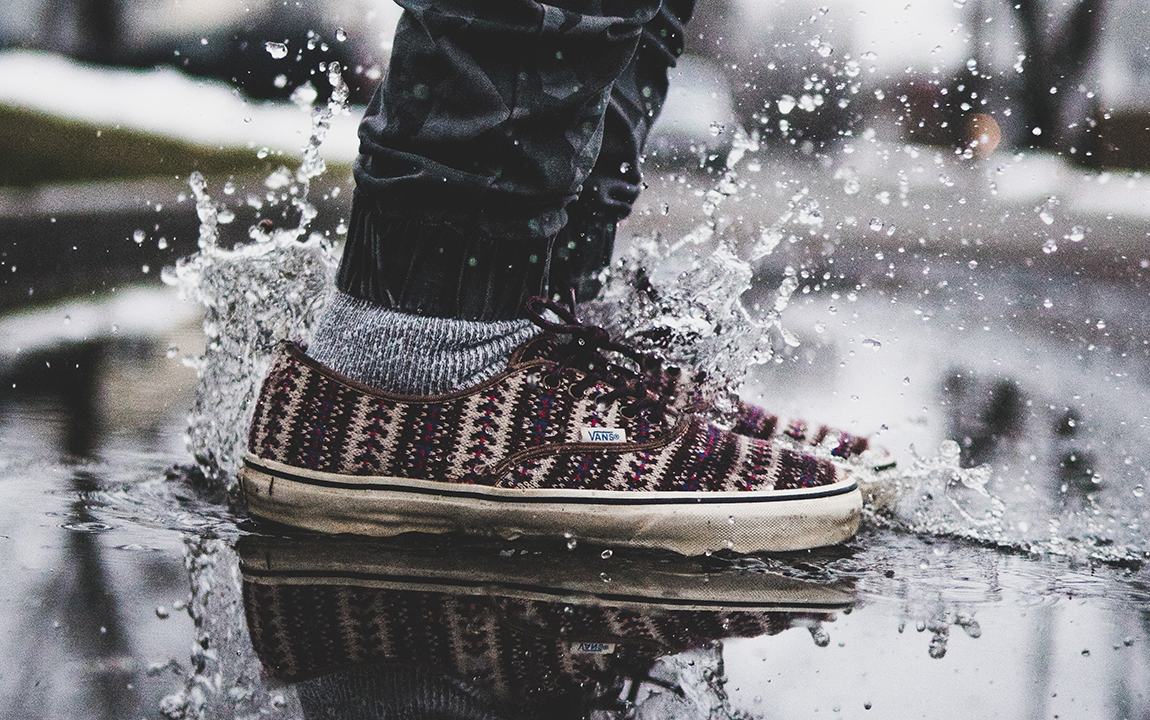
point(379, 629)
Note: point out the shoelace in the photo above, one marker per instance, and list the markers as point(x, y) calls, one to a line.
point(586, 351)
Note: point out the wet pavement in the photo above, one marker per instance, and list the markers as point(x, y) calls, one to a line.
point(133, 591)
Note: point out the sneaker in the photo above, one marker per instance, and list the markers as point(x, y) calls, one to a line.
point(564, 441)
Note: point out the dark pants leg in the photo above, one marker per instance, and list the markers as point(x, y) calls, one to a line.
point(487, 126)
point(583, 248)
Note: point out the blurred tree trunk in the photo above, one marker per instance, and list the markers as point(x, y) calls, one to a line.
point(1057, 63)
point(90, 30)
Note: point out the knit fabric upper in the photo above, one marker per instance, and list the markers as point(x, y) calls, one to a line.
point(522, 428)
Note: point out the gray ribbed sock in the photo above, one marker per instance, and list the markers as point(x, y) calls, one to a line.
point(410, 354)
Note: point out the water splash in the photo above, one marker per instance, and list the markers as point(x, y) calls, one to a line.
point(254, 295)
point(225, 678)
point(936, 497)
point(689, 686)
point(684, 299)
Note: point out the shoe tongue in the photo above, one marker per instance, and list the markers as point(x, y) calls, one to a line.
point(540, 346)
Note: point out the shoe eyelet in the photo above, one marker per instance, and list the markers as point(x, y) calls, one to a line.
point(552, 381)
point(629, 412)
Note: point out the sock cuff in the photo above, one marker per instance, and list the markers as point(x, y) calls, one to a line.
point(412, 354)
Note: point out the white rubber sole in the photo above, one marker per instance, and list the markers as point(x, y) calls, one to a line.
point(689, 523)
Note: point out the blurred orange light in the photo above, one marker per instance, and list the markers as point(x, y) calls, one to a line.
point(982, 134)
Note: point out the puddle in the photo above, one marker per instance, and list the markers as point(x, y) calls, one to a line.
point(1000, 569)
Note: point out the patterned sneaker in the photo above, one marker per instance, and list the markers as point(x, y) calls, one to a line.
point(562, 442)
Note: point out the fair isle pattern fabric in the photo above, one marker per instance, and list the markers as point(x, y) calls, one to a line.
point(519, 429)
point(753, 421)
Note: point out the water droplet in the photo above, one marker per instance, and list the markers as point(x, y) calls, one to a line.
point(172, 351)
point(139, 236)
point(820, 327)
point(1046, 216)
point(305, 95)
point(786, 103)
point(341, 35)
point(937, 649)
point(872, 343)
point(281, 177)
point(162, 612)
point(1139, 491)
point(1086, 653)
point(571, 541)
point(875, 224)
point(225, 216)
point(949, 451)
point(1077, 233)
point(1047, 303)
point(276, 49)
point(851, 186)
point(624, 168)
point(604, 577)
point(1049, 246)
point(972, 264)
point(605, 554)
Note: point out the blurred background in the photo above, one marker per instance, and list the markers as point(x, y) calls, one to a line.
point(107, 91)
point(956, 190)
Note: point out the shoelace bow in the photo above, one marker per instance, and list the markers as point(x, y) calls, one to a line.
point(586, 351)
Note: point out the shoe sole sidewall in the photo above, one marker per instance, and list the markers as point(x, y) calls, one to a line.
point(686, 522)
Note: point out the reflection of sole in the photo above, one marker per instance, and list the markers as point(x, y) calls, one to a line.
point(687, 522)
point(637, 580)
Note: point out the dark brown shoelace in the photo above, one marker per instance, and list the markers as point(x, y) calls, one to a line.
point(587, 351)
